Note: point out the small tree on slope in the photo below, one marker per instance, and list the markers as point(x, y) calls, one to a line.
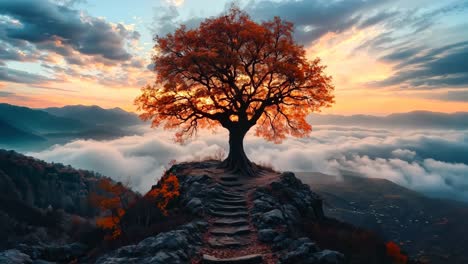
point(234, 72)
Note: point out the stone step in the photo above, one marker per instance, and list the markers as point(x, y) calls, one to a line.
point(231, 202)
point(230, 222)
point(236, 191)
point(228, 208)
point(230, 230)
point(226, 194)
point(229, 178)
point(227, 242)
point(229, 214)
point(231, 184)
point(247, 259)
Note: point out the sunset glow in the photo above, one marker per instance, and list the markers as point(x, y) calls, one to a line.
point(371, 56)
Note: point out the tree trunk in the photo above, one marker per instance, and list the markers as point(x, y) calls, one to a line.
point(237, 161)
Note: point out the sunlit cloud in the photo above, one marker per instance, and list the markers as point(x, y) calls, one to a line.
point(175, 2)
point(383, 55)
point(402, 156)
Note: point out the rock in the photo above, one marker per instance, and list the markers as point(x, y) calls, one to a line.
point(14, 256)
point(176, 246)
point(40, 261)
point(281, 242)
point(195, 206)
point(273, 217)
point(329, 257)
point(61, 253)
point(267, 235)
point(291, 214)
point(262, 206)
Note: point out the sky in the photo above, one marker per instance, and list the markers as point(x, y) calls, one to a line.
point(385, 56)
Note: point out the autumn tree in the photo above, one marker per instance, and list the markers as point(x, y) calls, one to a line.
point(237, 73)
point(113, 201)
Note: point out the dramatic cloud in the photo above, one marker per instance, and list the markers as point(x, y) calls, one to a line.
point(431, 161)
point(439, 67)
point(61, 29)
point(68, 45)
point(313, 19)
point(17, 76)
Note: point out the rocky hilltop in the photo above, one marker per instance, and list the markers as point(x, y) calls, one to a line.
point(239, 220)
point(216, 217)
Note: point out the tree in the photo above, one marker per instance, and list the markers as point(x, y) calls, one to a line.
point(113, 203)
point(234, 72)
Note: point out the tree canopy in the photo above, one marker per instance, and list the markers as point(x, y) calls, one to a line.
point(237, 73)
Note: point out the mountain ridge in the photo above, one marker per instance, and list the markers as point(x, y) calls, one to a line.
point(34, 129)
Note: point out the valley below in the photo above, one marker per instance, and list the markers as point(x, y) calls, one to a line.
point(430, 230)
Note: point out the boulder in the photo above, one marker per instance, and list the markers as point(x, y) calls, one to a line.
point(60, 253)
point(195, 206)
point(329, 257)
point(273, 217)
point(267, 235)
point(176, 246)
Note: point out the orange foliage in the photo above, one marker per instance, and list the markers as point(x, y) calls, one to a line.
point(234, 72)
point(393, 250)
point(166, 190)
point(112, 205)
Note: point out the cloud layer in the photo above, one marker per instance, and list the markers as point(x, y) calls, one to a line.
point(433, 162)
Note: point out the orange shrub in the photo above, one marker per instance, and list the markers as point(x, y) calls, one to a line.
point(393, 250)
point(166, 190)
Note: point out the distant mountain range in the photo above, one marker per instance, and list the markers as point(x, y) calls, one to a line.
point(24, 128)
point(416, 119)
point(95, 115)
point(9, 133)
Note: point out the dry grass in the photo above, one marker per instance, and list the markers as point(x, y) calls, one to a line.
point(218, 155)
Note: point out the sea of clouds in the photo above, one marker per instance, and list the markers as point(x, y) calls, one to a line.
point(434, 162)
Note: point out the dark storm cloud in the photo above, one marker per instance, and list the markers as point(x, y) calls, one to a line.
point(315, 18)
point(17, 76)
point(430, 68)
point(42, 23)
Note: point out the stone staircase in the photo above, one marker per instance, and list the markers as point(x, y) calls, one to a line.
point(230, 227)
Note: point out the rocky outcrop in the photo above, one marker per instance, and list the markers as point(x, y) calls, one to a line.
point(278, 210)
point(177, 246)
point(56, 253)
